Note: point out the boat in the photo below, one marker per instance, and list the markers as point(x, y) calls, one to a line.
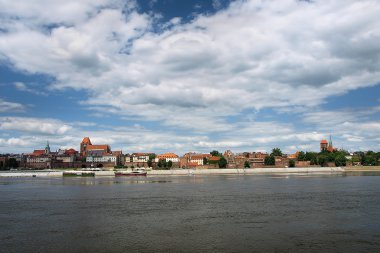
point(78, 174)
point(130, 173)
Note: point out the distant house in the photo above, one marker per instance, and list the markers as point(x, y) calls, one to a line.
point(168, 157)
point(198, 158)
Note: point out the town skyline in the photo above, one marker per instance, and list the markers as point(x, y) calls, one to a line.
point(327, 142)
point(195, 75)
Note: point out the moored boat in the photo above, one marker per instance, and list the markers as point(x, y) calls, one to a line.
point(130, 173)
point(78, 174)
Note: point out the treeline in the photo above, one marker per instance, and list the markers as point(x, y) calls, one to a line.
point(338, 157)
point(9, 164)
point(368, 158)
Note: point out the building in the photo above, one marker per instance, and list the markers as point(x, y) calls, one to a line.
point(168, 157)
point(87, 148)
point(40, 158)
point(198, 158)
point(3, 162)
point(110, 159)
point(327, 146)
point(138, 159)
point(324, 144)
point(294, 156)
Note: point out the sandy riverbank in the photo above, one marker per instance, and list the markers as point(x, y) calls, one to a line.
point(319, 170)
point(362, 168)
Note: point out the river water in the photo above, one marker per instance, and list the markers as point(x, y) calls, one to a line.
point(231, 213)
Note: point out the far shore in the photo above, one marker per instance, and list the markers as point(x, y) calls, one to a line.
point(174, 172)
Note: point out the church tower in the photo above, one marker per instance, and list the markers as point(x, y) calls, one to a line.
point(330, 148)
point(47, 148)
point(83, 146)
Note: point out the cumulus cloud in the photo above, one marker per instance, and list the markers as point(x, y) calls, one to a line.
point(251, 55)
point(193, 76)
point(33, 125)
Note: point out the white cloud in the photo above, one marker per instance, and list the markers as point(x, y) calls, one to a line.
point(273, 60)
point(22, 87)
point(34, 125)
point(216, 4)
point(6, 106)
point(249, 56)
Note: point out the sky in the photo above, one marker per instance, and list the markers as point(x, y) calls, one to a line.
point(191, 75)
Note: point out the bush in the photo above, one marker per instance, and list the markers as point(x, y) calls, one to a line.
point(222, 162)
point(340, 160)
point(292, 163)
point(269, 160)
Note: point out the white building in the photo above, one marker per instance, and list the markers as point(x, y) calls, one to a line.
point(140, 157)
point(65, 158)
point(168, 157)
point(103, 159)
point(38, 159)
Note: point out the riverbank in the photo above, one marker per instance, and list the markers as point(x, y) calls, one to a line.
point(362, 168)
point(319, 170)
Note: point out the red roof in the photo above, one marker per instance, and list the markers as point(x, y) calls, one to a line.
point(214, 158)
point(117, 153)
point(86, 140)
point(71, 151)
point(200, 156)
point(167, 155)
point(38, 152)
point(98, 147)
point(324, 142)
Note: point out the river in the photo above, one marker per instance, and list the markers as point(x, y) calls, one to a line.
point(223, 213)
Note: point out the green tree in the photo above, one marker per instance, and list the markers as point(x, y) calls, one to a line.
point(12, 163)
point(215, 153)
point(222, 162)
point(312, 157)
point(356, 159)
point(340, 160)
point(301, 156)
point(331, 156)
point(322, 159)
point(170, 164)
point(292, 163)
point(269, 160)
point(205, 161)
point(276, 152)
point(247, 165)
point(150, 160)
point(369, 160)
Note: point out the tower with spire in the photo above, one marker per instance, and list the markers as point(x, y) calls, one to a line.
point(47, 148)
point(330, 148)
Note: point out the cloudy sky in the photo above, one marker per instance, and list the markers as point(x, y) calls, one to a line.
point(190, 75)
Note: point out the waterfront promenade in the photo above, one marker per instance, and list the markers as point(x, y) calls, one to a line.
point(320, 170)
point(186, 172)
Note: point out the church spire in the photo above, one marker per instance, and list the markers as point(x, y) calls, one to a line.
point(47, 148)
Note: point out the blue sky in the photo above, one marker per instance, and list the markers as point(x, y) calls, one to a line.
point(189, 75)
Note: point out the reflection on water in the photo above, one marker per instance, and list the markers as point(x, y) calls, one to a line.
point(362, 173)
point(229, 213)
